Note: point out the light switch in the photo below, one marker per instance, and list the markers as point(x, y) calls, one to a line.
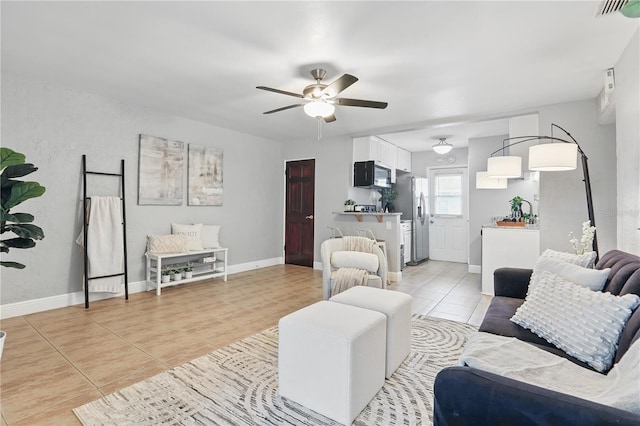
point(388, 224)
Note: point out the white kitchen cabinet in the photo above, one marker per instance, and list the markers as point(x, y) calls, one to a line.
point(403, 160)
point(406, 226)
point(373, 148)
point(507, 247)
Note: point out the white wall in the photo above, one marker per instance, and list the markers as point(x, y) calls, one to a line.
point(627, 211)
point(487, 203)
point(54, 126)
point(563, 205)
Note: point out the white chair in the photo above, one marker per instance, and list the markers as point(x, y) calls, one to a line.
point(368, 233)
point(330, 247)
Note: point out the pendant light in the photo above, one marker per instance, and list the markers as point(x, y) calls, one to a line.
point(442, 147)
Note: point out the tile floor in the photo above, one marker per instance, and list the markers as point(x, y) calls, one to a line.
point(56, 360)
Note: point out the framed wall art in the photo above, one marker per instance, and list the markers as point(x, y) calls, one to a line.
point(205, 176)
point(161, 171)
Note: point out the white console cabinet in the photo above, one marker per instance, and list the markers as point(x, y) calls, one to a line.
point(507, 247)
point(206, 264)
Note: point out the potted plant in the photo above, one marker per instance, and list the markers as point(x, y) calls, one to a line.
point(177, 274)
point(14, 192)
point(188, 271)
point(388, 196)
point(349, 205)
point(166, 275)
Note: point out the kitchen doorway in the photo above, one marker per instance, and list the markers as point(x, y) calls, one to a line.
point(448, 221)
point(299, 212)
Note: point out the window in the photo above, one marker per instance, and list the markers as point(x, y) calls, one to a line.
point(448, 193)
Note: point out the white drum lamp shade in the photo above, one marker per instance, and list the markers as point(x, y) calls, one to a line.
point(319, 109)
point(551, 157)
point(508, 166)
point(483, 181)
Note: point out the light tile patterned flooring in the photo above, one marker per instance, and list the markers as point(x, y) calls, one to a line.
point(60, 359)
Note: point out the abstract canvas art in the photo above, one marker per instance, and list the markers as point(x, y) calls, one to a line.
point(161, 171)
point(205, 176)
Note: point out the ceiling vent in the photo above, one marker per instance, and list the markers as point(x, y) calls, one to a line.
point(610, 6)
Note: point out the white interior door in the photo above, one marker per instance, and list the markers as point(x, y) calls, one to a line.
point(448, 222)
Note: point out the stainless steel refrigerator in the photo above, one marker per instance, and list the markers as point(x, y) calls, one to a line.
point(412, 202)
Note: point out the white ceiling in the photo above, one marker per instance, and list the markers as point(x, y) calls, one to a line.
point(434, 62)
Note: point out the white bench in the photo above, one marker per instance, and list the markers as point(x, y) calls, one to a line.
point(156, 263)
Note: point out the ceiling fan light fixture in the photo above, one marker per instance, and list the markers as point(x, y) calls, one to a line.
point(319, 109)
point(442, 147)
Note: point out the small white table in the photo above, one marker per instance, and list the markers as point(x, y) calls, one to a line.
point(202, 270)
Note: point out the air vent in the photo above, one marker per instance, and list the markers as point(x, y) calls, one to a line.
point(610, 6)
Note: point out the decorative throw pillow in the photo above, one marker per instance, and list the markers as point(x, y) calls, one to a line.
point(161, 244)
point(355, 259)
point(585, 324)
point(210, 234)
point(191, 232)
point(594, 279)
point(585, 260)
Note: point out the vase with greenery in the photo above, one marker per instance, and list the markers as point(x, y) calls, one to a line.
point(388, 196)
point(14, 192)
point(166, 275)
point(516, 208)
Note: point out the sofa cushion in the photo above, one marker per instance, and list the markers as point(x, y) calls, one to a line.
point(191, 232)
point(585, 260)
point(163, 244)
point(594, 279)
point(355, 259)
point(210, 236)
point(584, 323)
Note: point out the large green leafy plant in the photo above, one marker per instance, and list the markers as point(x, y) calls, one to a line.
point(14, 192)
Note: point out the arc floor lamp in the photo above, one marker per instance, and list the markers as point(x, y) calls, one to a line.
point(557, 155)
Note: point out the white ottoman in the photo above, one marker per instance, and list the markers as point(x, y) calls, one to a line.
point(397, 307)
point(331, 358)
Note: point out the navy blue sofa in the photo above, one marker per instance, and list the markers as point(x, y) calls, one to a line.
point(467, 396)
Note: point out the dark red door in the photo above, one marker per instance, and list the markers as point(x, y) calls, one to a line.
point(299, 212)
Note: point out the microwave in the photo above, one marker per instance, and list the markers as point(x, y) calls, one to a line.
point(368, 174)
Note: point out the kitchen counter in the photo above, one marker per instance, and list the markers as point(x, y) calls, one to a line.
point(513, 228)
point(358, 215)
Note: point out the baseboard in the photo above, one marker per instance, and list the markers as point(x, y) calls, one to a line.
point(70, 299)
point(475, 269)
point(243, 267)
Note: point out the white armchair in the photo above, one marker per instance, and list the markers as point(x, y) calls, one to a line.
point(329, 268)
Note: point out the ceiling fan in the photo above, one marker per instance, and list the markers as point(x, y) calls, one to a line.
point(319, 99)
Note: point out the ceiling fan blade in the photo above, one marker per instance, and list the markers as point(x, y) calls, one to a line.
point(282, 92)
point(339, 85)
point(282, 109)
point(330, 118)
point(360, 103)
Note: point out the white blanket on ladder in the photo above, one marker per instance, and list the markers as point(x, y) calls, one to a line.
point(105, 244)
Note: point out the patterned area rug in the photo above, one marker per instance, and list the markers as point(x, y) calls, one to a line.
point(238, 385)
